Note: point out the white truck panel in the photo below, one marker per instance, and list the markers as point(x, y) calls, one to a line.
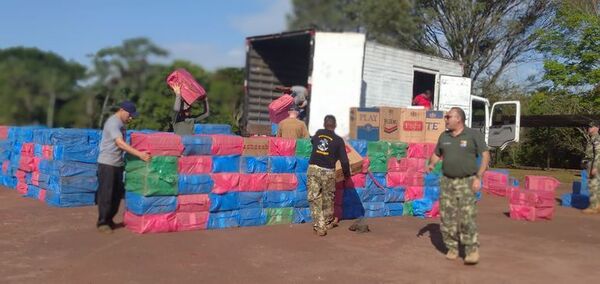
point(455, 92)
point(336, 78)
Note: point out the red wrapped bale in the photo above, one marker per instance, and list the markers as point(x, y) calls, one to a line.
point(157, 144)
point(151, 223)
point(282, 147)
point(278, 109)
point(223, 145)
point(225, 182)
point(191, 90)
point(190, 165)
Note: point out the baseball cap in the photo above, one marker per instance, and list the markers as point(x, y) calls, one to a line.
point(130, 108)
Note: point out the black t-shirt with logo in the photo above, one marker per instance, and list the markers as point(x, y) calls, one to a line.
point(328, 148)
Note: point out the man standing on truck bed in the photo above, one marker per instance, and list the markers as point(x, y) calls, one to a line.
point(182, 121)
point(461, 180)
point(328, 148)
point(292, 127)
point(592, 155)
point(423, 99)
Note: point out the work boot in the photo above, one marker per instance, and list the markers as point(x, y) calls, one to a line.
point(591, 210)
point(472, 258)
point(333, 223)
point(105, 229)
point(452, 254)
point(320, 232)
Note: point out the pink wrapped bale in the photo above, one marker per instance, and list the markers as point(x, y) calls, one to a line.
point(191, 221)
point(435, 211)
point(151, 223)
point(413, 193)
point(282, 182)
point(27, 149)
point(541, 183)
point(356, 181)
point(191, 90)
point(365, 165)
point(420, 150)
point(254, 182)
point(413, 165)
point(225, 182)
point(190, 165)
point(278, 109)
point(3, 132)
point(223, 145)
point(495, 183)
point(402, 179)
point(282, 147)
point(21, 187)
point(42, 195)
point(157, 144)
point(47, 152)
point(193, 203)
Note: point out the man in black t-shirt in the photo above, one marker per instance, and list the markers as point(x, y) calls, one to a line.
point(328, 148)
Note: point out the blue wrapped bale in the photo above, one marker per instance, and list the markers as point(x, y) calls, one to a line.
point(70, 199)
point(282, 164)
point(394, 195)
point(374, 209)
point(212, 129)
point(224, 219)
point(251, 199)
point(196, 145)
point(224, 202)
point(278, 199)
point(301, 215)
point(360, 146)
point(394, 209)
point(143, 205)
point(226, 164)
point(252, 217)
point(195, 184)
point(254, 164)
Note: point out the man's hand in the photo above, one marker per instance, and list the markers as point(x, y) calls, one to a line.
point(594, 172)
point(145, 157)
point(430, 168)
point(476, 184)
point(177, 89)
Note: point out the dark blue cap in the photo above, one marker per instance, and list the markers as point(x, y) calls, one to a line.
point(130, 108)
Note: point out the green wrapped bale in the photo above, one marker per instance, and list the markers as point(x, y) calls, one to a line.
point(378, 148)
point(280, 216)
point(407, 209)
point(157, 177)
point(398, 150)
point(378, 163)
point(303, 148)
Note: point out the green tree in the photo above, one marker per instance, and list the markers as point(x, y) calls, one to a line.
point(34, 83)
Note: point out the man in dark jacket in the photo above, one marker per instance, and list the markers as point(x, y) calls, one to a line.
point(328, 148)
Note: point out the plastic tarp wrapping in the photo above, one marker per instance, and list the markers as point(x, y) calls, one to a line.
point(76, 153)
point(33, 192)
point(70, 199)
point(193, 203)
point(376, 181)
point(432, 193)
point(282, 164)
point(531, 205)
point(301, 215)
point(371, 195)
point(282, 147)
point(21, 187)
point(432, 179)
point(195, 145)
point(279, 216)
point(421, 207)
point(226, 164)
point(413, 193)
point(212, 129)
point(42, 195)
point(302, 164)
point(375, 148)
point(3, 132)
point(278, 199)
point(254, 164)
point(154, 223)
point(157, 177)
point(253, 182)
point(522, 212)
point(67, 169)
point(374, 209)
point(356, 181)
point(420, 150)
point(413, 165)
point(225, 182)
point(223, 220)
point(393, 209)
point(223, 145)
point(26, 163)
point(575, 200)
point(403, 179)
point(67, 136)
point(251, 199)
point(27, 149)
point(190, 89)
point(143, 205)
point(395, 194)
point(393, 165)
point(541, 183)
point(407, 209)
point(435, 211)
point(72, 184)
point(194, 184)
point(191, 165)
point(282, 182)
point(495, 182)
point(301, 193)
point(303, 148)
point(378, 163)
point(252, 217)
point(191, 221)
point(360, 146)
point(352, 205)
point(157, 144)
point(398, 150)
point(224, 202)
point(278, 108)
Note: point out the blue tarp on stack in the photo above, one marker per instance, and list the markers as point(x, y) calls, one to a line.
point(196, 145)
point(254, 165)
point(194, 184)
point(143, 205)
point(212, 129)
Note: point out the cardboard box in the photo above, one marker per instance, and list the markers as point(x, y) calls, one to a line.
point(435, 125)
point(256, 146)
point(364, 123)
point(412, 125)
point(355, 161)
point(389, 128)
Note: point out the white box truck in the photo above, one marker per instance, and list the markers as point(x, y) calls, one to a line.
point(344, 70)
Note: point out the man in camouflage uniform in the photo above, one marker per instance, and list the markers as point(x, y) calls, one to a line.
point(459, 147)
point(328, 148)
point(592, 155)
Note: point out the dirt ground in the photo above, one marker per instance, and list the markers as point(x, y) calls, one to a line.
point(39, 244)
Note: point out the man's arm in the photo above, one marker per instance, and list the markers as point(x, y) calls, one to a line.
point(434, 159)
point(205, 113)
point(343, 157)
point(127, 148)
point(485, 160)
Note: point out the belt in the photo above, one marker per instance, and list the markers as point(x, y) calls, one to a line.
point(321, 168)
point(459, 177)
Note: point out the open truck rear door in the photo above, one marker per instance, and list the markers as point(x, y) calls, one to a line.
point(455, 91)
point(504, 124)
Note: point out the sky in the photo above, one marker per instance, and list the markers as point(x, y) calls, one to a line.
point(209, 33)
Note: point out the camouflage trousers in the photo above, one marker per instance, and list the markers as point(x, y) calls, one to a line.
point(458, 212)
point(321, 189)
point(594, 187)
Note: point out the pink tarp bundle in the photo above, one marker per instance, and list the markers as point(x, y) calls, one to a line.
point(399, 179)
point(413, 193)
point(191, 221)
point(531, 205)
point(190, 89)
point(227, 145)
point(420, 150)
point(435, 211)
point(282, 147)
point(278, 109)
point(27, 163)
point(5, 165)
point(413, 164)
point(254, 182)
point(27, 149)
point(47, 152)
point(42, 195)
point(495, 183)
point(189, 165)
point(157, 144)
point(365, 165)
point(193, 203)
point(35, 178)
point(541, 183)
point(225, 182)
point(3, 132)
point(356, 181)
point(21, 187)
point(394, 165)
point(282, 182)
point(151, 223)
point(20, 175)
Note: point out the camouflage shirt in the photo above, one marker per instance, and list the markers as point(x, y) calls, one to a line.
point(592, 152)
